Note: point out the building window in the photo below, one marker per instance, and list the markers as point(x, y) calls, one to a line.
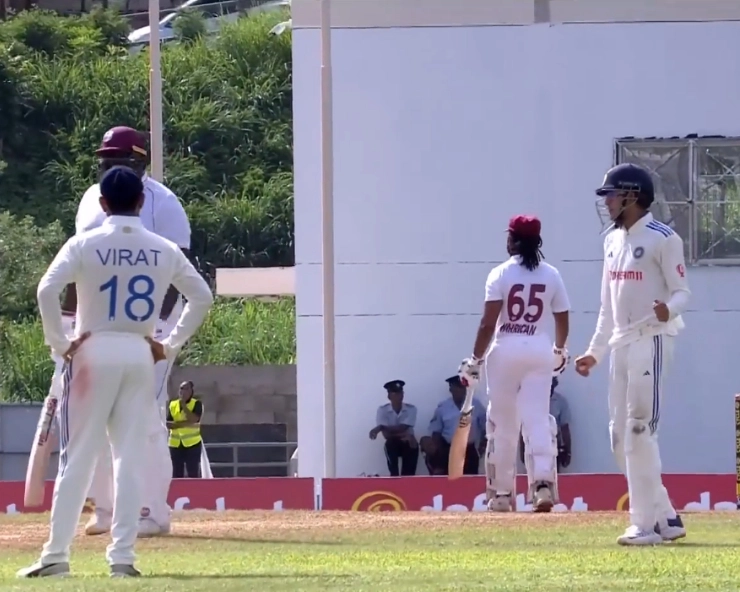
point(697, 184)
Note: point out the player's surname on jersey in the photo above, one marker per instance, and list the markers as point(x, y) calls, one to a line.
point(518, 328)
point(128, 257)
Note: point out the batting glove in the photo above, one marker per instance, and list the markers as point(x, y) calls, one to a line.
point(561, 360)
point(469, 371)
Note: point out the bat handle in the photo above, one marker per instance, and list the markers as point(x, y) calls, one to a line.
point(468, 403)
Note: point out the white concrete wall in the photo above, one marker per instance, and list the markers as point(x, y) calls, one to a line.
point(441, 134)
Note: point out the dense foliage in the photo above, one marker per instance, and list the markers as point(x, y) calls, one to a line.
point(227, 121)
point(228, 155)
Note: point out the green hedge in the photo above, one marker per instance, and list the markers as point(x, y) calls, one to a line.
point(237, 332)
point(227, 121)
point(228, 154)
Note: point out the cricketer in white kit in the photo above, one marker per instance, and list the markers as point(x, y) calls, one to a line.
point(522, 294)
point(121, 271)
point(163, 214)
point(644, 290)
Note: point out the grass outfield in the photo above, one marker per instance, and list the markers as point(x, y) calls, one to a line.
point(399, 551)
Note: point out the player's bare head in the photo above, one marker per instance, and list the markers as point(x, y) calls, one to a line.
point(121, 192)
point(625, 195)
point(457, 388)
point(524, 239)
point(123, 146)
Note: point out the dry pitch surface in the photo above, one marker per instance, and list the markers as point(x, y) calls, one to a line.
point(393, 551)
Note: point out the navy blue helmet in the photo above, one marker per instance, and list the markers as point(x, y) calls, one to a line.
point(629, 177)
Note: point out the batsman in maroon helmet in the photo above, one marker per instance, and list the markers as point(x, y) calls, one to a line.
point(163, 214)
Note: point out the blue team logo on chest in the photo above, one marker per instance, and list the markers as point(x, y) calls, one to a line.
point(638, 253)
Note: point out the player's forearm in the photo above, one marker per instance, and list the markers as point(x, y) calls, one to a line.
point(678, 302)
point(562, 328)
point(483, 340)
point(199, 303)
point(51, 318)
point(600, 340)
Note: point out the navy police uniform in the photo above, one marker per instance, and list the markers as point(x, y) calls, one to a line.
point(396, 421)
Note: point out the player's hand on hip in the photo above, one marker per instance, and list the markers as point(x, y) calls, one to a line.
point(584, 364)
point(469, 371)
point(661, 311)
point(561, 360)
point(75, 345)
point(157, 350)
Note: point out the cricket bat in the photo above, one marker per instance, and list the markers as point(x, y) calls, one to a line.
point(459, 443)
point(38, 463)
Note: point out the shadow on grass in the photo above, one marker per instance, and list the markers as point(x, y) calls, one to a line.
point(235, 539)
point(694, 545)
point(247, 576)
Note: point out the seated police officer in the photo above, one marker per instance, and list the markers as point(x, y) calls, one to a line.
point(395, 420)
point(183, 421)
point(444, 423)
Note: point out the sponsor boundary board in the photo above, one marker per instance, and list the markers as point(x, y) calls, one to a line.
point(578, 493)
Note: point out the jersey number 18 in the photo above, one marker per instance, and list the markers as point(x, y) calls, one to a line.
point(138, 294)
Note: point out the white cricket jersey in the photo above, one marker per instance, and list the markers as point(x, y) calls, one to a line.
point(641, 265)
point(162, 213)
point(122, 272)
point(529, 298)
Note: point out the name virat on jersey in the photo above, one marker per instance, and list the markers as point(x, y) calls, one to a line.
point(128, 258)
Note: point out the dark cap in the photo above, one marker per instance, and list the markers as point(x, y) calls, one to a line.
point(121, 185)
point(525, 226)
point(122, 139)
point(394, 386)
point(454, 381)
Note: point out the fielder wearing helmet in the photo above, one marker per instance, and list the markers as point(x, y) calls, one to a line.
point(125, 146)
point(625, 195)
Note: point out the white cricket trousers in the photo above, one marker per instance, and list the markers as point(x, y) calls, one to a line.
point(635, 393)
point(156, 469)
point(518, 376)
point(104, 387)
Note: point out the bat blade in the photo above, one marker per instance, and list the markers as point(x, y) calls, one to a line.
point(205, 464)
point(44, 442)
point(459, 446)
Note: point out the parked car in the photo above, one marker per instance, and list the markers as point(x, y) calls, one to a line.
point(216, 15)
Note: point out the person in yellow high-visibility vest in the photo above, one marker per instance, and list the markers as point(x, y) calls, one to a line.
point(183, 421)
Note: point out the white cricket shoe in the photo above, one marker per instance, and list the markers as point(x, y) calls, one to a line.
point(149, 528)
point(671, 529)
point(542, 501)
point(636, 536)
point(41, 570)
point(99, 523)
point(500, 503)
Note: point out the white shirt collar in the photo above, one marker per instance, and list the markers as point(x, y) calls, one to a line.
point(123, 221)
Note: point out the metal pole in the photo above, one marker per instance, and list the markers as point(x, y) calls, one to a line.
point(155, 95)
point(327, 243)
